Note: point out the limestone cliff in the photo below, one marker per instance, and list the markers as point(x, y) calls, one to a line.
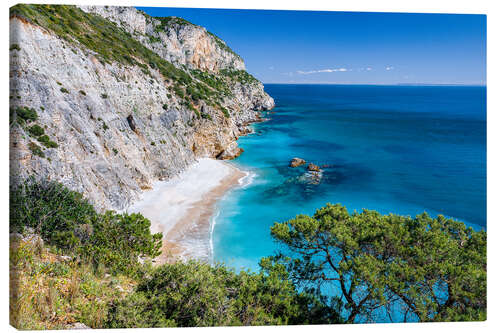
point(108, 100)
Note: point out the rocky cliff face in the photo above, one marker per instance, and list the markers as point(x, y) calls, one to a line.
point(174, 39)
point(108, 100)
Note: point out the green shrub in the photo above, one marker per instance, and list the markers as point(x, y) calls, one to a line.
point(131, 238)
point(14, 47)
point(115, 151)
point(45, 140)
point(36, 130)
point(225, 112)
point(104, 96)
point(51, 144)
point(83, 93)
point(24, 114)
point(36, 149)
point(197, 294)
point(64, 90)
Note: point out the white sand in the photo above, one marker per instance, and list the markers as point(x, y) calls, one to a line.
point(181, 207)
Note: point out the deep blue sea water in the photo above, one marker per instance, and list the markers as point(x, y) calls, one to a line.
point(394, 149)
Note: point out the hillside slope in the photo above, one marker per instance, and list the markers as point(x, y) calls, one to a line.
point(107, 100)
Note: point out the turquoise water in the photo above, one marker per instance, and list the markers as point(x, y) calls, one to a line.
point(394, 149)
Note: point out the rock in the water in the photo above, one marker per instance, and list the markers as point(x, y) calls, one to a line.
point(313, 167)
point(295, 162)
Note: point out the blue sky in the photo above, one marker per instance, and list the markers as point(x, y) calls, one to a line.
point(349, 48)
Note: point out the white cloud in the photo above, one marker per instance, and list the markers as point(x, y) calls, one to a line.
point(271, 68)
point(328, 70)
point(388, 68)
point(368, 68)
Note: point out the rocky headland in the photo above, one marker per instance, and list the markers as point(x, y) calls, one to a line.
point(108, 100)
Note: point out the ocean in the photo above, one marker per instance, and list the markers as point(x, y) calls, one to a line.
point(394, 149)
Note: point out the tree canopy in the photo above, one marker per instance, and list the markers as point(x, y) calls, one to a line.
point(422, 268)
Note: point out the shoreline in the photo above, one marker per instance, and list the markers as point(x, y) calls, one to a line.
point(182, 208)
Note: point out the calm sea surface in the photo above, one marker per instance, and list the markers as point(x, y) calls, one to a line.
point(394, 149)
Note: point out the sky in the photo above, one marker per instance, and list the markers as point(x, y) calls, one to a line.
point(348, 47)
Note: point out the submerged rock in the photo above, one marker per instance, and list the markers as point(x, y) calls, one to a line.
point(312, 177)
point(295, 162)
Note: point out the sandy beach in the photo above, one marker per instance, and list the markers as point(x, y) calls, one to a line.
point(182, 207)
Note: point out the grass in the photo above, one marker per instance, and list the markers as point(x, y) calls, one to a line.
point(49, 293)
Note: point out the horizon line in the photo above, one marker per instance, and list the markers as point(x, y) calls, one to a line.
point(381, 84)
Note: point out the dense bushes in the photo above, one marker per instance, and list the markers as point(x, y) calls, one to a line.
point(197, 294)
point(67, 221)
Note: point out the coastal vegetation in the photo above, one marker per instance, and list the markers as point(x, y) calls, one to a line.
point(71, 264)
